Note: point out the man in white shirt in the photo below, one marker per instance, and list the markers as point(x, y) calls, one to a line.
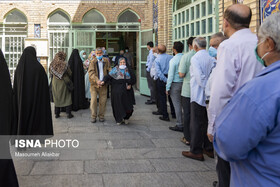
point(236, 64)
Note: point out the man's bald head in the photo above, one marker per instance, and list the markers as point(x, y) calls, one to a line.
point(161, 49)
point(238, 16)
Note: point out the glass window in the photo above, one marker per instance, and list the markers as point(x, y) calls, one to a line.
point(179, 32)
point(210, 7)
point(210, 25)
point(197, 11)
point(203, 27)
point(183, 17)
point(59, 17)
point(179, 18)
point(192, 29)
point(187, 15)
point(175, 20)
point(183, 32)
point(93, 17)
point(187, 31)
point(181, 4)
point(128, 16)
point(175, 34)
point(197, 28)
point(16, 16)
point(192, 13)
point(203, 7)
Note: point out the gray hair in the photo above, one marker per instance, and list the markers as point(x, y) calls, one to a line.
point(121, 60)
point(219, 35)
point(99, 49)
point(271, 28)
point(200, 42)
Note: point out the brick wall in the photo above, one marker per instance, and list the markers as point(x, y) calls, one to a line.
point(165, 23)
point(253, 4)
point(37, 12)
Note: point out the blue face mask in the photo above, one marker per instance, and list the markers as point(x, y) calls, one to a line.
point(99, 57)
point(212, 52)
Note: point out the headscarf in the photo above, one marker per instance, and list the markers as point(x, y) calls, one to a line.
point(58, 66)
point(81, 55)
point(118, 73)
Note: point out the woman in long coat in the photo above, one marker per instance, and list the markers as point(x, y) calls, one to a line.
point(122, 78)
point(32, 98)
point(8, 175)
point(61, 76)
point(78, 78)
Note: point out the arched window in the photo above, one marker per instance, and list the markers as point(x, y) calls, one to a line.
point(177, 4)
point(16, 17)
point(93, 16)
point(128, 17)
point(59, 17)
point(14, 34)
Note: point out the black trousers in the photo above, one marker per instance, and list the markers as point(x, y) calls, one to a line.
point(161, 91)
point(156, 94)
point(57, 110)
point(223, 170)
point(198, 129)
point(150, 82)
point(187, 117)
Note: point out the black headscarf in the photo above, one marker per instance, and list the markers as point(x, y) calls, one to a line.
point(78, 78)
point(32, 99)
point(7, 171)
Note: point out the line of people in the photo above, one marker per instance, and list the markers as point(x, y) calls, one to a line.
point(215, 101)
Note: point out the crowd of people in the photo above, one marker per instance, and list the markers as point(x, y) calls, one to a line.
point(227, 96)
point(226, 100)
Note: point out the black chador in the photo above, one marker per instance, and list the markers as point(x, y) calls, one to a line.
point(32, 99)
point(78, 78)
point(7, 170)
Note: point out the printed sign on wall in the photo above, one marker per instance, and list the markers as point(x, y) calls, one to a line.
point(269, 7)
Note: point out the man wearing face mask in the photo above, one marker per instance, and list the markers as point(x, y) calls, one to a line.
point(236, 65)
point(248, 129)
point(99, 68)
point(129, 57)
point(215, 41)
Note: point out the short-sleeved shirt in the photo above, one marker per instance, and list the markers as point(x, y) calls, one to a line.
point(184, 67)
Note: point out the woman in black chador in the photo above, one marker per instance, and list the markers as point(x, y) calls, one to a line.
point(78, 78)
point(32, 99)
point(122, 78)
point(8, 175)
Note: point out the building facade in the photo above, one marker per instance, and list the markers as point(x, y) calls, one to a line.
point(55, 25)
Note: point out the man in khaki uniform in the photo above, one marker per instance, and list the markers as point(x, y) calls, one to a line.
point(98, 69)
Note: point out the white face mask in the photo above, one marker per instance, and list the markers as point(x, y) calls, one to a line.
point(84, 56)
point(122, 66)
point(155, 54)
point(126, 50)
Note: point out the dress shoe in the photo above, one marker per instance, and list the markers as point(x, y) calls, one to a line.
point(93, 120)
point(157, 113)
point(189, 154)
point(176, 128)
point(164, 119)
point(185, 141)
point(70, 116)
point(150, 103)
point(215, 184)
point(101, 119)
point(209, 153)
